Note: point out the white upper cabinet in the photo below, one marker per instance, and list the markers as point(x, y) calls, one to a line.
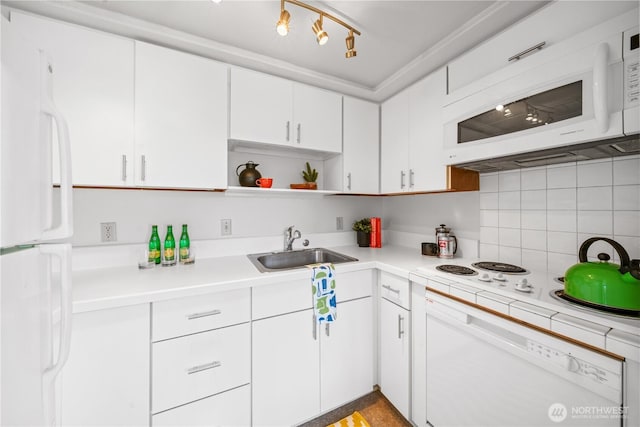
point(394, 148)
point(550, 25)
point(180, 118)
point(412, 145)
point(93, 87)
point(360, 151)
point(267, 109)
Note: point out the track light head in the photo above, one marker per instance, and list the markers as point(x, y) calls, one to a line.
point(350, 41)
point(282, 27)
point(321, 35)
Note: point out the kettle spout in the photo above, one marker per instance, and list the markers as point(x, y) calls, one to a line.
point(634, 268)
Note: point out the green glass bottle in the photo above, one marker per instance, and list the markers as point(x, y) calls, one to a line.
point(169, 247)
point(154, 246)
point(185, 245)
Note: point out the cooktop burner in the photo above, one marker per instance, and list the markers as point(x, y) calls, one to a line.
point(456, 269)
point(559, 294)
point(499, 267)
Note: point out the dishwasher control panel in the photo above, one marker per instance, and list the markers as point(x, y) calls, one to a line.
point(569, 362)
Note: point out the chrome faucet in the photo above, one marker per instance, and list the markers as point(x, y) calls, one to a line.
point(289, 237)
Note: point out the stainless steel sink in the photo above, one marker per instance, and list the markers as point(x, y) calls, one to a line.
point(287, 260)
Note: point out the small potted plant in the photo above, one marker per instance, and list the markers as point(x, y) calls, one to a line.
point(310, 176)
point(362, 228)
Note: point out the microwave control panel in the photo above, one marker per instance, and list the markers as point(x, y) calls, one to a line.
point(631, 67)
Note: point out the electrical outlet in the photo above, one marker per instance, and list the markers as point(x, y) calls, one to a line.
point(225, 227)
point(339, 223)
point(108, 231)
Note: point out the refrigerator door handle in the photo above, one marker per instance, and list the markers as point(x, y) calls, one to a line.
point(63, 252)
point(65, 229)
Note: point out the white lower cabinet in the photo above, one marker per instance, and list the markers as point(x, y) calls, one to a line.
point(394, 355)
point(301, 369)
point(286, 370)
point(231, 408)
point(106, 379)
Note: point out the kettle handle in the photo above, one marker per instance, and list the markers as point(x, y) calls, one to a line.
point(455, 249)
point(625, 262)
point(238, 174)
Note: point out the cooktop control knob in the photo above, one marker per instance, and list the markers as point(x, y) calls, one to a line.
point(485, 277)
point(523, 285)
point(500, 277)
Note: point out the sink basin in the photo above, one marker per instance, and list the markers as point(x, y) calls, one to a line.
point(287, 260)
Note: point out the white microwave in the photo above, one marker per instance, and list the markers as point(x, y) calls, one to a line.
point(578, 97)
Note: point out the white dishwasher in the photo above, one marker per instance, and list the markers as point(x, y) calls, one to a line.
point(487, 369)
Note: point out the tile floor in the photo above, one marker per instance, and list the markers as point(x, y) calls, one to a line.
point(374, 407)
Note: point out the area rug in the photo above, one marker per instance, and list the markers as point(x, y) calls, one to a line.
point(353, 420)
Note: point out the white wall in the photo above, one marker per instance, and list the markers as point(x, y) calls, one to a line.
point(539, 217)
point(134, 211)
point(421, 214)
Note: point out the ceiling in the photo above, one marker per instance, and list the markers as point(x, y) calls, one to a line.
point(401, 41)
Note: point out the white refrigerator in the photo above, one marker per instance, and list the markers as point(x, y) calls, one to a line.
point(35, 261)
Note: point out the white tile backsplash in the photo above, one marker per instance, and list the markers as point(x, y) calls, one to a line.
point(595, 198)
point(626, 197)
point(558, 207)
point(561, 176)
point(595, 173)
point(564, 198)
point(533, 179)
point(509, 181)
point(509, 200)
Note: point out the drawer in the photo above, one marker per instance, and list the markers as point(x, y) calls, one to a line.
point(183, 316)
point(287, 297)
point(231, 408)
point(199, 365)
point(395, 289)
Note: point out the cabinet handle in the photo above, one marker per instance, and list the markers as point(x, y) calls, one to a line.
point(326, 329)
point(204, 314)
point(315, 327)
point(349, 181)
point(400, 326)
point(411, 174)
point(527, 51)
point(124, 167)
point(288, 130)
point(206, 366)
point(298, 137)
point(402, 175)
point(390, 289)
point(143, 171)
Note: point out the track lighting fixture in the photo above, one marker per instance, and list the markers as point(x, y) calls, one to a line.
point(321, 35)
point(282, 26)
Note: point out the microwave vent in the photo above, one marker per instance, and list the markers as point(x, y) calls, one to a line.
point(627, 147)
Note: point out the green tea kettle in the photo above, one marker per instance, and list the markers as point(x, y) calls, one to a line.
point(248, 176)
point(604, 283)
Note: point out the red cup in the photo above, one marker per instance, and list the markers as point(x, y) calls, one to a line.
point(264, 182)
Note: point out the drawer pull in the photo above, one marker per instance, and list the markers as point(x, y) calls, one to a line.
point(206, 366)
point(204, 314)
point(390, 289)
point(526, 51)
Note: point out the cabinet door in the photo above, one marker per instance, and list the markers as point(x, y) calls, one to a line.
point(427, 171)
point(261, 108)
point(106, 379)
point(394, 148)
point(361, 146)
point(346, 347)
point(394, 355)
point(181, 119)
point(317, 118)
point(93, 88)
point(286, 369)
